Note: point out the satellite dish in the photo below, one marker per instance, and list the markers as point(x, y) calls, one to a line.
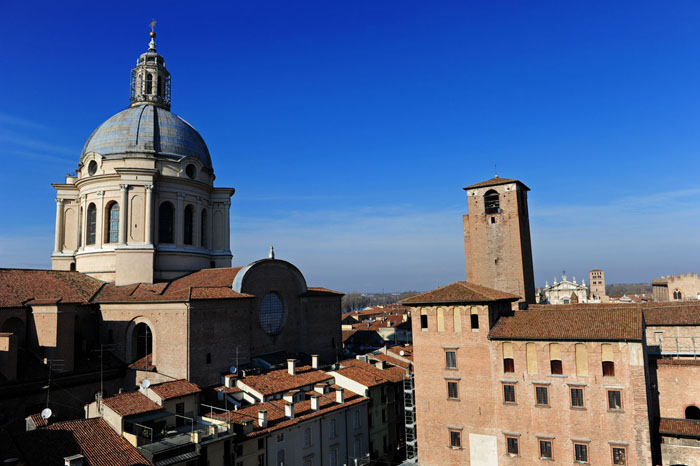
point(233, 369)
point(145, 384)
point(46, 413)
point(401, 353)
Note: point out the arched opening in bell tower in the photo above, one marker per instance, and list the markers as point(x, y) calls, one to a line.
point(491, 202)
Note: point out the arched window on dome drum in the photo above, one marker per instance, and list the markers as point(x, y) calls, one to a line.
point(160, 86)
point(189, 214)
point(203, 228)
point(91, 224)
point(113, 225)
point(165, 223)
point(149, 83)
point(491, 202)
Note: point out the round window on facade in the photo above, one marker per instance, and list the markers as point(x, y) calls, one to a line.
point(92, 167)
point(191, 171)
point(272, 314)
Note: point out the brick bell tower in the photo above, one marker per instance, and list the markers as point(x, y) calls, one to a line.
point(497, 248)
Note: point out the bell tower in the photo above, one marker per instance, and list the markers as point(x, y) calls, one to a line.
point(497, 248)
point(150, 80)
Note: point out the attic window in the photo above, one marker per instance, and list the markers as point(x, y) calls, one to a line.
point(491, 202)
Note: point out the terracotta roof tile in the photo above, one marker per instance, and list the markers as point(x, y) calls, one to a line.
point(318, 291)
point(495, 182)
point(276, 419)
point(459, 292)
point(655, 313)
point(390, 360)
point(368, 375)
point(279, 381)
point(570, 324)
point(18, 286)
point(203, 284)
point(94, 438)
point(130, 403)
point(38, 420)
point(679, 427)
point(174, 389)
point(407, 351)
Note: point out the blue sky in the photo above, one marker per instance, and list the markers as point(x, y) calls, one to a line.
point(349, 128)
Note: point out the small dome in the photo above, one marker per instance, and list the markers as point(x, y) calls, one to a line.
point(151, 130)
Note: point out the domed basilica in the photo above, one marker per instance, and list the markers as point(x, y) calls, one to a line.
point(142, 205)
point(141, 267)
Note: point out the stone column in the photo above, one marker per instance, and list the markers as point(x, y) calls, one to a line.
point(148, 234)
point(123, 217)
point(59, 226)
point(99, 221)
point(197, 224)
point(210, 228)
point(78, 220)
point(83, 221)
point(180, 221)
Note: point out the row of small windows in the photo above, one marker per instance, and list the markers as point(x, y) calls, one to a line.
point(580, 450)
point(576, 399)
point(555, 359)
point(166, 229)
point(473, 321)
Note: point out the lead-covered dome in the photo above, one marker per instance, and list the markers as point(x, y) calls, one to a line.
point(147, 129)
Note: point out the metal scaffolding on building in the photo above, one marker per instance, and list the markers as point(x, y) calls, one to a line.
point(409, 406)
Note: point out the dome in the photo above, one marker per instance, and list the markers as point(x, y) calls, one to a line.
point(149, 129)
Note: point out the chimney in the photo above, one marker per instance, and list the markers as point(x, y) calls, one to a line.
point(289, 410)
point(379, 365)
point(339, 395)
point(314, 361)
point(262, 418)
point(75, 460)
point(292, 366)
point(315, 402)
point(289, 396)
point(321, 388)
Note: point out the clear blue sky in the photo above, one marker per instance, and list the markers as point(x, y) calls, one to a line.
point(349, 128)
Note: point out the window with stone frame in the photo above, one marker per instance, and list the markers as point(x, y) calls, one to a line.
point(91, 230)
point(188, 224)
point(512, 445)
point(577, 397)
point(166, 216)
point(581, 452)
point(542, 395)
point(619, 455)
point(614, 400)
point(451, 359)
point(113, 223)
point(508, 393)
point(546, 449)
point(452, 390)
point(455, 438)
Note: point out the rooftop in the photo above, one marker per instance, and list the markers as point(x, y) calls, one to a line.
point(367, 374)
point(280, 380)
point(19, 286)
point(130, 403)
point(460, 293)
point(94, 438)
point(174, 389)
point(570, 324)
point(655, 313)
point(495, 181)
point(679, 427)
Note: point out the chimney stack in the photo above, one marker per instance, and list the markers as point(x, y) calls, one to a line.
point(75, 460)
point(315, 402)
point(292, 366)
point(262, 418)
point(379, 365)
point(314, 361)
point(340, 395)
point(289, 410)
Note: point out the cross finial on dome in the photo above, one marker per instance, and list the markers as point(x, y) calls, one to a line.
point(152, 44)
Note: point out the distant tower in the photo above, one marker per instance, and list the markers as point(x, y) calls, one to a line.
point(596, 277)
point(497, 247)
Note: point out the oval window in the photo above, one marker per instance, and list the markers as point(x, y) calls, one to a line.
point(92, 167)
point(191, 171)
point(272, 314)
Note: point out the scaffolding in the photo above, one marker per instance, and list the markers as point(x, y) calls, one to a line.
point(409, 409)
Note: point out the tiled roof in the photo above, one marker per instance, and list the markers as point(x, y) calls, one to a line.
point(280, 380)
point(203, 284)
point(390, 360)
point(655, 313)
point(18, 286)
point(174, 389)
point(678, 362)
point(407, 351)
point(367, 374)
point(130, 403)
point(143, 364)
point(460, 292)
point(227, 390)
point(276, 419)
point(679, 427)
point(318, 291)
point(570, 324)
point(38, 420)
point(93, 438)
point(495, 182)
